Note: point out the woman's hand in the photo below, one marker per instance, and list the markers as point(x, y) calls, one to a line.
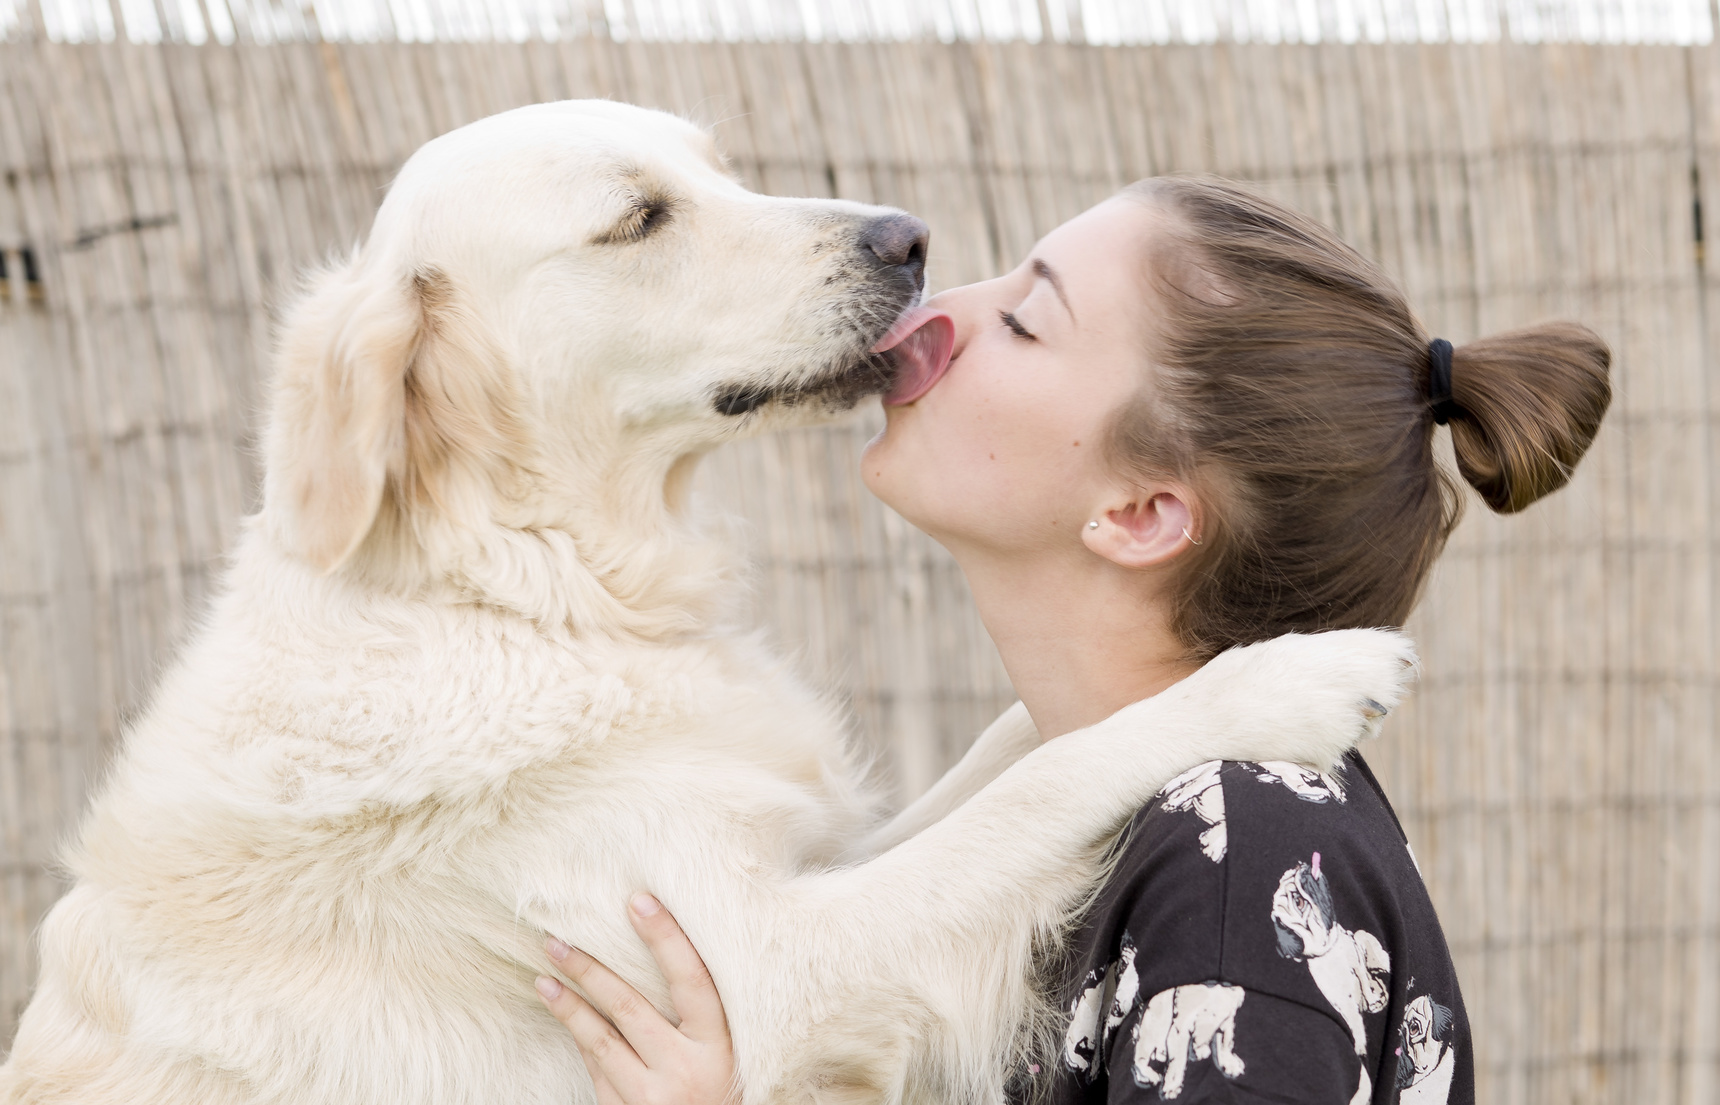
point(634, 1055)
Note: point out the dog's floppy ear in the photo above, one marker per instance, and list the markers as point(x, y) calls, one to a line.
point(1290, 945)
point(338, 424)
point(390, 381)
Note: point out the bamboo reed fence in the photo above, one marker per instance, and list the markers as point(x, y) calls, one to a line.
point(1559, 772)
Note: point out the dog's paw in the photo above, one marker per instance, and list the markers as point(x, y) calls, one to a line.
point(1308, 698)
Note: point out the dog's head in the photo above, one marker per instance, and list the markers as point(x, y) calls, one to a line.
point(1302, 912)
point(1422, 1039)
point(556, 307)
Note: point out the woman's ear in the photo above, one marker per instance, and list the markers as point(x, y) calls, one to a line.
point(1145, 530)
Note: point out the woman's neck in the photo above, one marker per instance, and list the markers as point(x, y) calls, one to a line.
point(1080, 638)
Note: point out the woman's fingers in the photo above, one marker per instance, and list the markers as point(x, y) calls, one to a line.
point(641, 1058)
point(609, 1059)
point(690, 986)
point(606, 1094)
point(647, 1030)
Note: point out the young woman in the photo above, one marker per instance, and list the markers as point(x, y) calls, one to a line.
point(1192, 419)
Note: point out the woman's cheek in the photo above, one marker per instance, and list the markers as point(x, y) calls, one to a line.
point(968, 453)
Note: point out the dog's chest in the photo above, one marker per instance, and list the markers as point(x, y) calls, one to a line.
point(450, 817)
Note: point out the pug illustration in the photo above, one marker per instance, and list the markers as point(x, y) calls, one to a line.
point(1426, 1053)
point(1185, 1024)
point(1201, 791)
point(1306, 783)
point(1350, 968)
point(1107, 997)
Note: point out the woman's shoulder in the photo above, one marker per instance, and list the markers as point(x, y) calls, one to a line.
point(1235, 813)
point(1233, 843)
point(1288, 892)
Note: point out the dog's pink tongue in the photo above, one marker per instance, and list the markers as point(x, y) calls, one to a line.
point(923, 339)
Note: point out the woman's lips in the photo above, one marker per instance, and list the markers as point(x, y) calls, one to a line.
point(922, 340)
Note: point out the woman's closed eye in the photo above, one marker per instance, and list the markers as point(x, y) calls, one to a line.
point(1016, 328)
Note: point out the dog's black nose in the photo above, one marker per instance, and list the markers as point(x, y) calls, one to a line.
point(897, 240)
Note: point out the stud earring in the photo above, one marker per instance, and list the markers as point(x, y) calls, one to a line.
point(1092, 525)
point(1190, 536)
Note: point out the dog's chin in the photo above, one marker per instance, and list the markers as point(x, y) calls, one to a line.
point(834, 391)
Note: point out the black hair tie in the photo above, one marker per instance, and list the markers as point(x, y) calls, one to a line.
point(1439, 383)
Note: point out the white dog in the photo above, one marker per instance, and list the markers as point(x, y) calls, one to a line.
point(473, 675)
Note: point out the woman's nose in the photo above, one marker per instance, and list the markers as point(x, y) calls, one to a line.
point(959, 306)
point(952, 303)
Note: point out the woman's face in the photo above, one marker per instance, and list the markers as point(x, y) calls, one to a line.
point(1006, 449)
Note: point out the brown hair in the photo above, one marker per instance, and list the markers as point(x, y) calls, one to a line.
point(1290, 388)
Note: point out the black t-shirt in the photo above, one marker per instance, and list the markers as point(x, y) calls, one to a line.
point(1265, 936)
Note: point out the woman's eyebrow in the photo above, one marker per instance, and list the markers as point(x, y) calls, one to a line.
point(1040, 268)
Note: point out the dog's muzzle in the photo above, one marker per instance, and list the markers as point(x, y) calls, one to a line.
point(891, 256)
point(897, 243)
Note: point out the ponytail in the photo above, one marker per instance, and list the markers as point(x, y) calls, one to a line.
point(1528, 403)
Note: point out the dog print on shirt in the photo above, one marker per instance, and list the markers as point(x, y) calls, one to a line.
point(1350, 968)
point(1105, 999)
point(1201, 790)
point(1426, 1055)
point(1304, 782)
point(1187, 1024)
point(1264, 935)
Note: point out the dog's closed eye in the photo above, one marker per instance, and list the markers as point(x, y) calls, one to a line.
point(646, 213)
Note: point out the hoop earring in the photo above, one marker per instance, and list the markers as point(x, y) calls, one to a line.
point(1190, 536)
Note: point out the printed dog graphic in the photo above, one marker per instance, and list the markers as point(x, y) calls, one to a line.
point(1107, 997)
point(1201, 791)
point(1187, 1024)
point(1426, 1055)
point(1349, 967)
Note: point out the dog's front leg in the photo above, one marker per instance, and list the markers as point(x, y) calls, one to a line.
point(910, 974)
point(1003, 742)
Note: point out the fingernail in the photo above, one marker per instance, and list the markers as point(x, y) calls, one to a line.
point(548, 987)
point(645, 905)
point(556, 949)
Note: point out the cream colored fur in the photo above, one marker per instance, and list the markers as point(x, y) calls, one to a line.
point(474, 675)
